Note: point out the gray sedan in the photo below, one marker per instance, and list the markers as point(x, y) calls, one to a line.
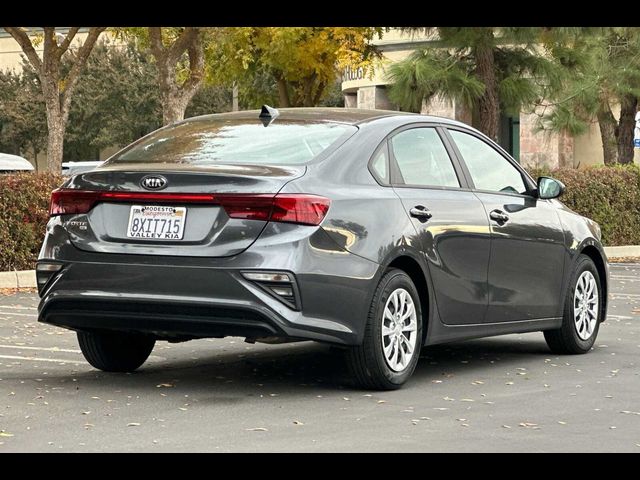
point(378, 232)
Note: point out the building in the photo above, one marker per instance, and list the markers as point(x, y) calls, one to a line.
point(517, 134)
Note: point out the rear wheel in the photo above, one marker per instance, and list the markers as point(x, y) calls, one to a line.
point(114, 351)
point(582, 310)
point(393, 335)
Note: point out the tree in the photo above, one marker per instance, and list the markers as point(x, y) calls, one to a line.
point(23, 125)
point(604, 70)
point(56, 88)
point(300, 61)
point(179, 57)
point(116, 101)
point(488, 69)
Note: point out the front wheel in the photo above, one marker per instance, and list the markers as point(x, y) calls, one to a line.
point(393, 335)
point(582, 311)
point(115, 351)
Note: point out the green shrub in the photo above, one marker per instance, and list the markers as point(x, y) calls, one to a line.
point(610, 195)
point(24, 211)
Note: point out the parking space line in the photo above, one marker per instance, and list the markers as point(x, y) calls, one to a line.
point(17, 307)
point(12, 314)
point(36, 359)
point(44, 349)
point(619, 295)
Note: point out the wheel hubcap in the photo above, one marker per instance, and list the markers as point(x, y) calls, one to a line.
point(399, 329)
point(586, 305)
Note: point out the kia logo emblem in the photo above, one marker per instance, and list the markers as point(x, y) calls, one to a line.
point(153, 182)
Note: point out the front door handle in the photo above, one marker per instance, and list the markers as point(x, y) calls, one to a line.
point(499, 216)
point(421, 212)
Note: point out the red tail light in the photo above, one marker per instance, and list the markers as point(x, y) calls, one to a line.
point(290, 208)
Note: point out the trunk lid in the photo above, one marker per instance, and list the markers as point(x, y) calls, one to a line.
point(207, 231)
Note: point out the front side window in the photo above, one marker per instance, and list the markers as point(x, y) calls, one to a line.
point(489, 170)
point(423, 159)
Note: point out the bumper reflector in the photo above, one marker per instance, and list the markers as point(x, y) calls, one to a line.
point(45, 271)
point(279, 285)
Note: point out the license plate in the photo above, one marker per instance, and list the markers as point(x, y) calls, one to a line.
point(150, 222)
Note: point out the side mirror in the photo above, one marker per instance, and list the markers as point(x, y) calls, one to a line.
point(549, 188)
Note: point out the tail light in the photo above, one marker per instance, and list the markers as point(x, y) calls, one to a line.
point(302, 209)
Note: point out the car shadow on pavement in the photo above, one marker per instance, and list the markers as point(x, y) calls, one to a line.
point(298, 367)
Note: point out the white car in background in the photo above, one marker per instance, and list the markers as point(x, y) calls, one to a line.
point(13, 163)
point(71, 168)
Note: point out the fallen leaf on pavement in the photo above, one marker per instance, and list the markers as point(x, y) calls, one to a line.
point(297, 422)
point(257, 429)
point(133, 424)
point(165, 385)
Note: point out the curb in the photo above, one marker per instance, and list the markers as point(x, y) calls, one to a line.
point(623, 251)
point(18, 279)
point(27, 278)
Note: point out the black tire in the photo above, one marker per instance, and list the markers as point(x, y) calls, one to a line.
point(366, 362)
point(114, 351)
point(565, 340)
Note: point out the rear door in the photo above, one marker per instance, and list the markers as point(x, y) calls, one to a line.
point(527, 246)
point(449, 219)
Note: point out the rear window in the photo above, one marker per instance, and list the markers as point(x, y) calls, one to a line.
point(207, 142)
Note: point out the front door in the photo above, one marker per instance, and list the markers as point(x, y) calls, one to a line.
point(450, 222)
point(527, 239)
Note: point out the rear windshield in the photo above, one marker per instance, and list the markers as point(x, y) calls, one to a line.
point(207, 142)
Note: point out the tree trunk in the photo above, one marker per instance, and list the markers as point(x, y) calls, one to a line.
point(608, 125)
point(55, 140)
point(625, 129)
point(176, 96)
point(173, 108)
point(283, 92)
point(488, 104)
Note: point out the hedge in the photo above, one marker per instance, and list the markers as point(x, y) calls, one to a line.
point(24, 211)
point(608, 195)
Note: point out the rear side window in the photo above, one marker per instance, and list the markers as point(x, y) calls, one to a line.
point(489, 170)
point(423, 159)
point(223, 140)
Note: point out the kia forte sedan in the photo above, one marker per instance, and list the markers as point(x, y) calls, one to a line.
point(379, 232)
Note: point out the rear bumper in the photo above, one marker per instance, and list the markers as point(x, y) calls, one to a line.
point(197, 297)
point(176, 302)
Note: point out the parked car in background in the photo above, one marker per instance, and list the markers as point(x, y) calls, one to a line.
point(379, 232)
point(14, 163)
point(73, 168)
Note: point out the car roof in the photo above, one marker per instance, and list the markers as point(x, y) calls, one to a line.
point(353, 116)
point(14, 162)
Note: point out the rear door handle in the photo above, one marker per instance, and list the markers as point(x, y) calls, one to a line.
point(499, 216)
point(420, 211)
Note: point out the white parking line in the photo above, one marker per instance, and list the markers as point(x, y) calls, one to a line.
point(13, 314)
point(45, 349)
point(35, 359)
point(16, 307)
point(617, 295)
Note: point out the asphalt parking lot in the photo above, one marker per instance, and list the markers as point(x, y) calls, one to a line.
point(501, 394)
